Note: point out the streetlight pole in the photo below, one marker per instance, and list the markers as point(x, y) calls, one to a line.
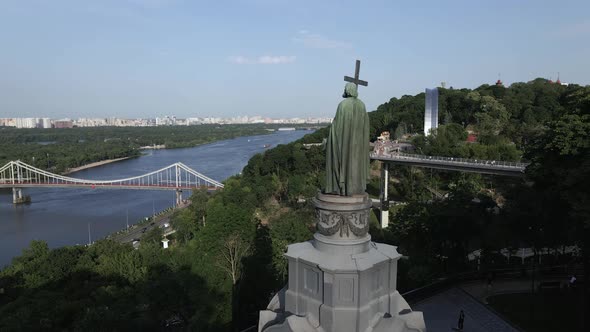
point(89, 236)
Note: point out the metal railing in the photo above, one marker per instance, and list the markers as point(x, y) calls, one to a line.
point(449, 160)
point(177, 175)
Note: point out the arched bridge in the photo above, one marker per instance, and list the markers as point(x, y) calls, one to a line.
point(177, 176)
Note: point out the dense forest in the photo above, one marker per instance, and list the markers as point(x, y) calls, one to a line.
point(194, 285)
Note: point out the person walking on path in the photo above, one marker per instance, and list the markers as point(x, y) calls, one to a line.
point(461, 320)
point(572, 281)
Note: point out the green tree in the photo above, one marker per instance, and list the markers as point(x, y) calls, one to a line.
point(561, 165)
point(492, 118)
point(400, 131)
point(288, 228)
point(154, 235)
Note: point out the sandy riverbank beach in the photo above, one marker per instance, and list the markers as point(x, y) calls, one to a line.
point(95, 164)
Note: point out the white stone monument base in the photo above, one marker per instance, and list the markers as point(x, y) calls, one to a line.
point(341, 281)
point(348, 292)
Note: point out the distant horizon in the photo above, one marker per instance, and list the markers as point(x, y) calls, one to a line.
point(171, 114)
point(280, 58)
point(162, 117)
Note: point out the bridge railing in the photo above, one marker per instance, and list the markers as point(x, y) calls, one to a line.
point(177, 175)
point(464, 161)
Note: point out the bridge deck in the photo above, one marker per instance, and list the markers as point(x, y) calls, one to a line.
point(102, 186)
point(177, 176)
point(454, 164)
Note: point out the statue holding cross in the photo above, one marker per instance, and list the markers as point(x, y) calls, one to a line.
point(347, 149)
point(356, 80)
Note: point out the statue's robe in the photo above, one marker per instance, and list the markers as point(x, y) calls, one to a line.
point(347, 148)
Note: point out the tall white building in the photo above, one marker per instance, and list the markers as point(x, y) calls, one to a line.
point(45, 123)
point(431, 110)
point(26, 122)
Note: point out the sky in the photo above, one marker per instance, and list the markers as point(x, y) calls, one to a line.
point(273, 58)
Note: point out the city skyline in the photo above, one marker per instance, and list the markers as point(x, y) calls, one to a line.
point(45, 123)
point(279, 59)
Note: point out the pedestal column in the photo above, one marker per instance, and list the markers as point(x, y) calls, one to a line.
point(340, 280)
point(384, 208)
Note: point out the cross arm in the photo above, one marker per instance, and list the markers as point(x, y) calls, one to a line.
point(355, 81)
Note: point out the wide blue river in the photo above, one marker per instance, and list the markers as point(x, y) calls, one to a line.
point(63, 216)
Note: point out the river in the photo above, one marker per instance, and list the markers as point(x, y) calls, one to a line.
point(62, 216)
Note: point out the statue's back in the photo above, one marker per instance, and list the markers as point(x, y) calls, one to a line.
point(347, 154)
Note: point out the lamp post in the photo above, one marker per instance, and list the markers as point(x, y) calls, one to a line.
point(89, 236)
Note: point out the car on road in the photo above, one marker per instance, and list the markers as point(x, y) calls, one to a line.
point(144, 230)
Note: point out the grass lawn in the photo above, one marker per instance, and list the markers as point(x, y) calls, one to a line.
point(542, 311)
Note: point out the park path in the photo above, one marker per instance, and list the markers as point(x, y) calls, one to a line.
point(481, 292)
point(441, 313)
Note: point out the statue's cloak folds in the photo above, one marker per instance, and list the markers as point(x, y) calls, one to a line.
point(347, 155)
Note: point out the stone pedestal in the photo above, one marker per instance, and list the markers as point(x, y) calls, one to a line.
point(340, 280)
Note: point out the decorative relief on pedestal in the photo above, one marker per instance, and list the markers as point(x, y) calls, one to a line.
point(332, 222)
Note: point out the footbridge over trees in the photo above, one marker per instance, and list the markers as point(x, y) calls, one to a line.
point(493, 167)
point(178, 177)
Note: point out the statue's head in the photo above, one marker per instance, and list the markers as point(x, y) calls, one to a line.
point(350, 90)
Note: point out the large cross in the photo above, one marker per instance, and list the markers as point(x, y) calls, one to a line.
point(356, 80)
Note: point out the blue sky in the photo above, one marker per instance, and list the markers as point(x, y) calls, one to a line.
point(275, 58)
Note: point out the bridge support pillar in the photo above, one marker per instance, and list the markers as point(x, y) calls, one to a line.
point(17, 196)
point(384, 209)
point(178, 197)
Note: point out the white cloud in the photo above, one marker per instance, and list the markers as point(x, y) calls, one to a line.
point(262, 60)
point(313, 40)
point(267, 59)
point(238, 59)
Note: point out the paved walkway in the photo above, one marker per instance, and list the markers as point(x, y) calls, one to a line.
point(480, 291)
point(441, 313)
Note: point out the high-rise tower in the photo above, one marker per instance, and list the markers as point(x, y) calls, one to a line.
point(431, 110)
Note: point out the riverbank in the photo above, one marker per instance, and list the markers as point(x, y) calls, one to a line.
point(94, 164)
point(61, 216)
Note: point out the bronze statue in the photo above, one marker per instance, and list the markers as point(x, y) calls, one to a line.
point(347, 149)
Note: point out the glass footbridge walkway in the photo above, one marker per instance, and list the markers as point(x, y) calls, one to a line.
point(493, 167)
point(504, 168)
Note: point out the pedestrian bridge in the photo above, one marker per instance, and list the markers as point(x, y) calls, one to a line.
point(177, 176)
point(504, 168)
